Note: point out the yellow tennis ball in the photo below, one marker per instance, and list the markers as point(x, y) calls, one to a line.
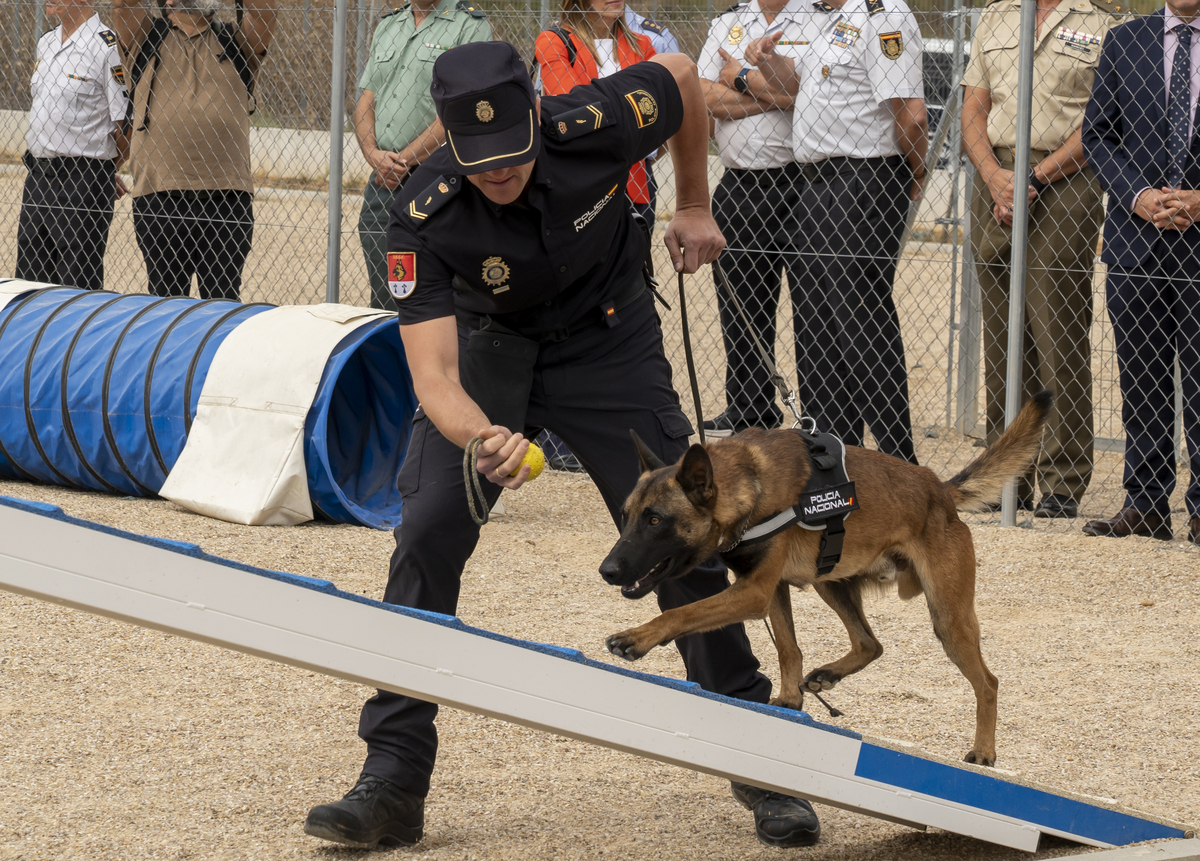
point(535, 459)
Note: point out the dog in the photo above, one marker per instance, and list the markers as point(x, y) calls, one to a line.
point(905, 531)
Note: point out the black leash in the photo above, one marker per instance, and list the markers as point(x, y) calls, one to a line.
point(687, 351)
point(476, 501)
point(832, 711)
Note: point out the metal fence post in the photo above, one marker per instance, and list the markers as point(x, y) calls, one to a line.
point(337, 125)
point(1020, 236)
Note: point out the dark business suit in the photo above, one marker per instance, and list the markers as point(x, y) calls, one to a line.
point(1153, 288)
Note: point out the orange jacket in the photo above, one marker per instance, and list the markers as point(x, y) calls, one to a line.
point(560, 76)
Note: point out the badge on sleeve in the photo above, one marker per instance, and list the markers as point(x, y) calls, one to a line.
point(892, 45)
point(118, 73)
point(402, 273)
point(645, 109)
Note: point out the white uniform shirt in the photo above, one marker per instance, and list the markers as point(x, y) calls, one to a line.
point(78, 93)
point(851, 61)
point(764, 140)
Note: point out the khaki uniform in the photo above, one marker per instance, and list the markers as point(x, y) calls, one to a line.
point(1064, 226)
point(399, 72)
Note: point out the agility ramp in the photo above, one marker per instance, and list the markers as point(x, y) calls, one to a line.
point(309, 623)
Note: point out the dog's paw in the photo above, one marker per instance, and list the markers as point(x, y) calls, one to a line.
point(979, 758)
point(820, 680)
point(625, 645)
point(793, 700)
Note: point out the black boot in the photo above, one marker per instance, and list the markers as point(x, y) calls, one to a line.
point(373, 813)
point(779, 820)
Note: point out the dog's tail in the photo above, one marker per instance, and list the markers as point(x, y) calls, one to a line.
point(982, 481)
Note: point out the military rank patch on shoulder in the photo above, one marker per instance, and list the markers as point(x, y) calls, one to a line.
point(118, 73)
point(581, 121)
point(109, 37)
point(467, 6)
point(874, 7)
point(892, 45)
point(433, 198)
point(402, 273)
point(653, 26)
point(645, 109)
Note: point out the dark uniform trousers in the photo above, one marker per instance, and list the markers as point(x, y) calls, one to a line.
point(66, 211)
point(755, 210)
point(1064, 226)
point(206, 233)
point(849, 352)
point(1155, 312)
point(590, 389)
point(372, 233)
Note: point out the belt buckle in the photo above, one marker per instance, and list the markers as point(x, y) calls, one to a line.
point(556, 336)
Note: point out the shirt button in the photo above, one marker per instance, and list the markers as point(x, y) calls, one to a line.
point(547, 232)
point(562, 268)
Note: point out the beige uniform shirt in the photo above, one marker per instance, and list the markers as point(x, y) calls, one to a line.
point(1064, 64)
point(197, 136)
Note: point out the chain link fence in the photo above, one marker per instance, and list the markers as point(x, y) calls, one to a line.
point(889, 316)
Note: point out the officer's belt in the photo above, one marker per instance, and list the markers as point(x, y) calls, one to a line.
point(1007, 156)
point(766, 176)
point(604, 314)
point(824, 504)
point(838, 165)
point(64, 164)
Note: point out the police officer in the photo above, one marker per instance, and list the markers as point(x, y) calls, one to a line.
point(74, 144)
point(1064, 224)
point(753, 205)
point(860, 135)
point(660, 36)
point(517, 268)
point(394, 119)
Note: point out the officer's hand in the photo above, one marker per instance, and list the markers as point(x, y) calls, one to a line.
point(122, 189)
point(1180, 209)
point(500, 454)
point(759, 48)
point(389, 168)
point(729, 71)
point(693, 240)
point(1001, 184)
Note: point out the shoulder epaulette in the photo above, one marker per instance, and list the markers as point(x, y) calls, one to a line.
point(433, 198)
point(1105, 6)
point(391, 12)
point(581, 121)
point(874, 7)
point(109, 37)
point(735, 7)
point(468, 6)
point(653, 26)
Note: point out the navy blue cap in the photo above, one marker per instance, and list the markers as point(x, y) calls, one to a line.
point(485, 101)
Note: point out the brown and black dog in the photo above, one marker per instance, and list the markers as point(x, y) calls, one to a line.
point(906, 531)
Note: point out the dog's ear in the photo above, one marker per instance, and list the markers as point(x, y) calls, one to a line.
point(695, 476)
point(649, 460)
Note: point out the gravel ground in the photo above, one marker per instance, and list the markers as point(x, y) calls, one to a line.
point(123, 743)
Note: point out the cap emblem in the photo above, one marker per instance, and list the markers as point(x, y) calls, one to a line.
point(484, 112)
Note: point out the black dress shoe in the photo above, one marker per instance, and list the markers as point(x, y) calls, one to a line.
point(1024, 503)
point(1130, 521)
point(1194, 529)
point(726, 424)
point(1056, 505)
point(779, 820)
point(373, 813)
point(565, 463)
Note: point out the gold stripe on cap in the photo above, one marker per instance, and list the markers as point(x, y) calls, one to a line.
point(528, 147)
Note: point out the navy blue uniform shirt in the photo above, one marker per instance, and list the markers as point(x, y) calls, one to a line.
point(567, 245)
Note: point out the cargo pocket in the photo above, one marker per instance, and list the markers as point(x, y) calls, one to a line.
point(409, 478)
point(674, 423)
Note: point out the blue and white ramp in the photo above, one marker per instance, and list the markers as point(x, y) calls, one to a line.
point(310, 623)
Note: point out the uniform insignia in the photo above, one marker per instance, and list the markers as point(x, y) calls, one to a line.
point(892, 45)
point(734, 8)
point(118, 73)
point(402, 273)
point(495, 273)
point(824, 71)
point(109, 37)
point(874, 7)
point(589, 216)
point(433, 198)
point(467, 6)
point(1078, 40)
point(845, 35)
point(653, 26)
point(484, 112)
point(822, 6)
point(645, 109)
point(581, 121)
point(735, 34)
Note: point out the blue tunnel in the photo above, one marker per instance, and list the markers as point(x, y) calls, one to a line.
point(98, 391)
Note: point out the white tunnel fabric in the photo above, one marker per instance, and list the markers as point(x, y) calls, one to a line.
point(244, 458)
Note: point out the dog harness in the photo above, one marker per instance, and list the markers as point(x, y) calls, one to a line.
point(824, 504)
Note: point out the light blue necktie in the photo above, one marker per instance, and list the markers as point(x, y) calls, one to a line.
point(1179, 108)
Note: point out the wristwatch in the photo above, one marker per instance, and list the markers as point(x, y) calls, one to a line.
point(1037, 184)
point(740, 83)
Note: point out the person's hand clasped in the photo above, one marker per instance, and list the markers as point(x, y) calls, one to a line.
point(1176, 209)
point(389, 168)
point(693, 240)
point(501, 455)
